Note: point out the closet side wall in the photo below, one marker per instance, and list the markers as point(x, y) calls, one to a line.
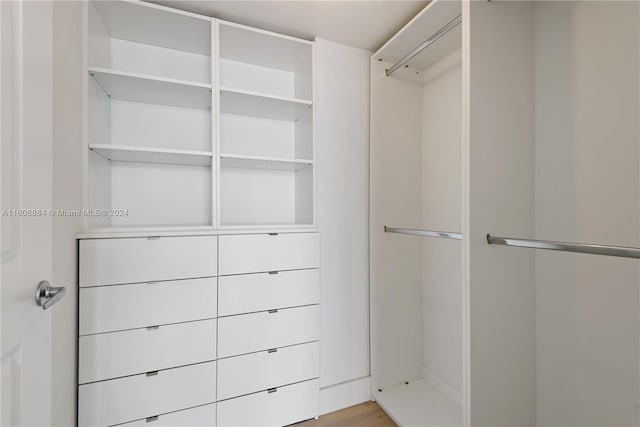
point(396, 273)
point(501, 201)
point(342, 153)
point(587, 190)
point(441, 210)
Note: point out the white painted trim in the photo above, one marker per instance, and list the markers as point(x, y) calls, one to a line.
point(265, 32)
point(314, 129)
point(214, 124)
point(345, 394)
point(215, 111)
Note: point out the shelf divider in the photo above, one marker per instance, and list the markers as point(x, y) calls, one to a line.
point(267, 106)
point(263, 162)
point(128, 153)
point(151, 89)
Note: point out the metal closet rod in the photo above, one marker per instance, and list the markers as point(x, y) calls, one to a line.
point(427, 233)
point(583, 248)
point(425, 44)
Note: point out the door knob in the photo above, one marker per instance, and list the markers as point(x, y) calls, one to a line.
point(47, 295)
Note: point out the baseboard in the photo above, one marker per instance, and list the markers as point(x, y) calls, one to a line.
point(345, 394)
point(437, 383)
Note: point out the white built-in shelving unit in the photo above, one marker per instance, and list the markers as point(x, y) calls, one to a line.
point(150, 127)
point(196, 123)
point(199, 140)
point(265, 129)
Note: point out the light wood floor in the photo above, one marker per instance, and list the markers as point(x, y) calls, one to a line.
point(366, 414)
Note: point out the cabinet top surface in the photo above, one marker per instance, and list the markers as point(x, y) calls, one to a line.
point(113, 234)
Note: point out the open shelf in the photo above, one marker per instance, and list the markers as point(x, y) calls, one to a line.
point(151, 89)
point(418, 404)
point(154, 194)
point(261, 162)
point(432, 18)
point(266, 106)
point(261, 61)
point(262, 194)
point(152, 24)
point(126, 153)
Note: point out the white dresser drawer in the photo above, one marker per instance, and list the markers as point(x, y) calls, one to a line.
point(285, 405)
point(253, 332)
point(252, 253)
point(133, 398)
point(133, 260)
point(248, 293)
point(113, 308)
point(117, 354)
point(201, 416)
point(254, 372)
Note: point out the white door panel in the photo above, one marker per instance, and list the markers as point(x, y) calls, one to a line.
point(26, 127)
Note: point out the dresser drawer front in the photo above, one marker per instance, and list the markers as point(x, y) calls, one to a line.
point(285, 406)
point(118, 354)
point(195, 417)
point(255, 372)
point(254, 332)
point(134, 398)
point(134, 260)
point(254, 253)
point(114, 308)
point(248, 293)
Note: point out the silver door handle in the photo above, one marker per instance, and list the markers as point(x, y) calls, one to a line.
point(47, 295)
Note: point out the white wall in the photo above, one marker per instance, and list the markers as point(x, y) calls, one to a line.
point(587, 190)
point(67, 194)
point(342, 153)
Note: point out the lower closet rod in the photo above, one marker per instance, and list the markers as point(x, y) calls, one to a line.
point(427, 233)
point(583, 248)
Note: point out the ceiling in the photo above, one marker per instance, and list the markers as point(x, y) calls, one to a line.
point(363, 24)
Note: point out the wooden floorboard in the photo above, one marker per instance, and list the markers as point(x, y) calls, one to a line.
point(366, 414)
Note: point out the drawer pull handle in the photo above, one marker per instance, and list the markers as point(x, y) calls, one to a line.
point(152, 419)
point(273, 272)
point(272, 390)
point(272, 350)
point(153, 237)
point(152, 374)
point(153, 328)
point(273, 311)
point(273, 234)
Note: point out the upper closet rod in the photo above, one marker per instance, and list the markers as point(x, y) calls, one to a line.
point(619, 251)
point(425, 44)
point(427, 233)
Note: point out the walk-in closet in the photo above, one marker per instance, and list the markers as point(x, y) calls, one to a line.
point(414, 213)
point(505, 215)
point(417, 179)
